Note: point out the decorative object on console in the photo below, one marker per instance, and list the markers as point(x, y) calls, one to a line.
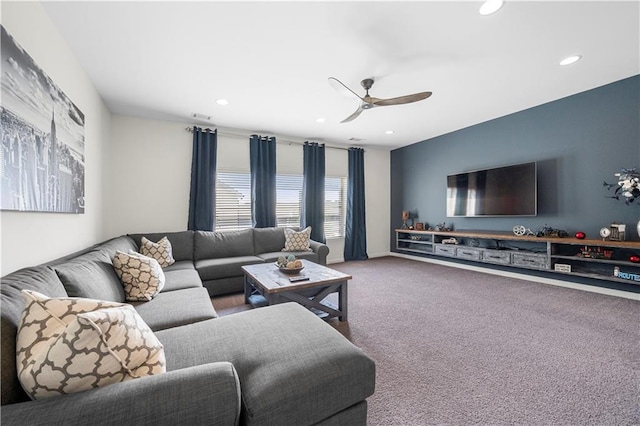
point(520, 230)
point(595, 253)
point(634, 259)
point(405, 218)
point(617, 231)
point(628, 186)
point(450, 241)
point(419, 226)
point(548, 231)
point(442, 227)
point(562, 267)
point(605, 232)
point(581, 235)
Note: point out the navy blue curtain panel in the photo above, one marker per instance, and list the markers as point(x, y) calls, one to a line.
point(313, 190)
point(355, 240)
point(202, 198)
point(263, 181)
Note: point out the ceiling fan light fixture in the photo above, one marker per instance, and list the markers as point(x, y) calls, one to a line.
point(491, 6)
point(570, 60)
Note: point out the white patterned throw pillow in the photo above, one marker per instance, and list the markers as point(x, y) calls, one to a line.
point(141, 276)
point(297, 240)
point(68, 344)
point(160, 251)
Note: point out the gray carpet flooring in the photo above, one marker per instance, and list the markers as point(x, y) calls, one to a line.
point(460, 347)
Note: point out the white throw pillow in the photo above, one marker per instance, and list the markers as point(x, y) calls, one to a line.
point(141, 276)
point(69, 344)
point(297, 241)
point(160, 251)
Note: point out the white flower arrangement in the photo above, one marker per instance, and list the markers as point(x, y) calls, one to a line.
point(628, 186)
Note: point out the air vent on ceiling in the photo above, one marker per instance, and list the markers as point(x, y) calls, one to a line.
point(356, 139)
point(201, 116)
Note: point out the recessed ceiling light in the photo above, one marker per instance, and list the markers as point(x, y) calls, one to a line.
point(570, 60)
point(320, 120)
point(222, 102)
point(389, 132)
point(490, 6)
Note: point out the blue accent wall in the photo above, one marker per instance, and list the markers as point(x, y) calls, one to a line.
point(578, 142)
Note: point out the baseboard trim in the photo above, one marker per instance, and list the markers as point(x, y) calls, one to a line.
point(542, 280)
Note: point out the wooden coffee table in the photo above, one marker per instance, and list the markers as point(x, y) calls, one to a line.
point(265, 284)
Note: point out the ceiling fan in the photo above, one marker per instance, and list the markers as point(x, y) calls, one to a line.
point(369, 102)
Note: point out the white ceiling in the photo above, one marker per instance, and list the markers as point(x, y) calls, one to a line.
point(271, 61)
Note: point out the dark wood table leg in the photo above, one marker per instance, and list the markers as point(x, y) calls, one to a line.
point(247, 289)
point(342, 301)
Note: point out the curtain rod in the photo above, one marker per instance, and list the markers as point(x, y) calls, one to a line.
point(282, 141)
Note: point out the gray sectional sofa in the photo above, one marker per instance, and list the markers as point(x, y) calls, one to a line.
point(219, 256)
point(277, 365)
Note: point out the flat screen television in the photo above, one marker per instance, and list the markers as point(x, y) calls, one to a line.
point(500, 191)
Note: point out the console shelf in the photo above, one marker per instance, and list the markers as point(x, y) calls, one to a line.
point(591, 258)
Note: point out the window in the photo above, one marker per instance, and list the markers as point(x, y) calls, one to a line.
point(233, 202)
point(335, 206)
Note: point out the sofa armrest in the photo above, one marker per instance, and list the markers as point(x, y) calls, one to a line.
point(322, 250)
point(205, 394)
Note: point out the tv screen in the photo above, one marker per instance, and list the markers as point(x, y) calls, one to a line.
point(501, 191)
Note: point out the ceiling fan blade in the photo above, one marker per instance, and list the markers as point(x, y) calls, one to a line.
point(401, 99)
point(354, 115)
point(342, 88)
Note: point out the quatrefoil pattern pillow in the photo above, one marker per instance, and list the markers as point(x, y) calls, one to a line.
point(160, 251)
point(297, 241)
point(141, 276)
point(67, 345)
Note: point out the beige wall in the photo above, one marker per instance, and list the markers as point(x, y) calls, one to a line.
point(31, 238)
point(155, 156)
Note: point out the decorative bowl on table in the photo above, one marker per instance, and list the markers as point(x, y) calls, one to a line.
point(289, 264)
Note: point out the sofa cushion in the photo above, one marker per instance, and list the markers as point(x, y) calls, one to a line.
point(224, 285)
point(279, 370)
point(68, 345)
point(266, 240)
point(160, 251)
point(181, 264)
point(213, 269)
point(181, 242)
point(141, 276)
point(42, 279)
point(175, 308)
point(273, 256)
point(91, 276)
point(297, 240)
point(122, 243)
point(177, 279)
point(214, 245)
